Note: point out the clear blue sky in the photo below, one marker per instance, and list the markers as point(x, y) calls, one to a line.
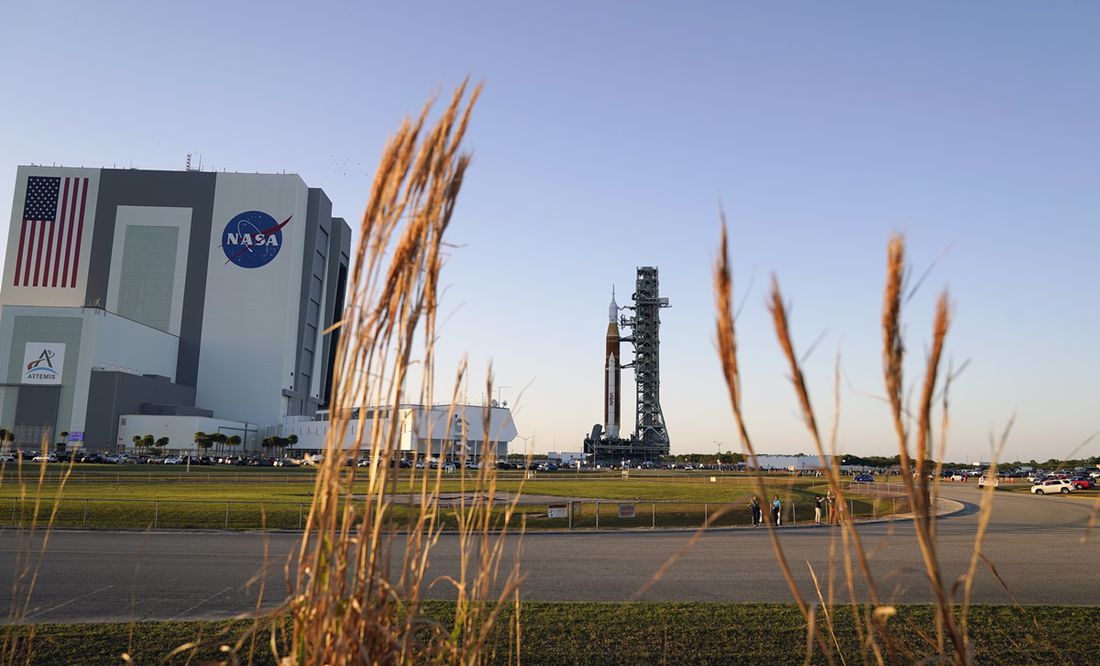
point(606, 138)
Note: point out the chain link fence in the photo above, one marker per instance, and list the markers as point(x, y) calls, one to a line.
point(106, 513)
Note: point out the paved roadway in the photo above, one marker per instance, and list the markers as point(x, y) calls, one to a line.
point(1037, 544)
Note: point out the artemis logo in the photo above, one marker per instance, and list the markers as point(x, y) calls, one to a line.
point(42, 363)
point(252, 239)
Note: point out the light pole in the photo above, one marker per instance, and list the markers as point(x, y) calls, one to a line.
point(500, 392)
point(527, 448)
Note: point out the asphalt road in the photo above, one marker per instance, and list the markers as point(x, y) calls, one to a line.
point(1037, 544)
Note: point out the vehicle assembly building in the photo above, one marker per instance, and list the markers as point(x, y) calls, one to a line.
point(650, 438)
point(167, 302)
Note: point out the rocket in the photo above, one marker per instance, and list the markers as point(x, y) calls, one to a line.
point(611, 372)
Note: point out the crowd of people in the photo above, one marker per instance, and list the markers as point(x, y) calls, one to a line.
point(826, 510)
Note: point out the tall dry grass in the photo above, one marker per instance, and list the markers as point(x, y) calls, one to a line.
point(32, 540)
point(358, 581)
point(913, 429)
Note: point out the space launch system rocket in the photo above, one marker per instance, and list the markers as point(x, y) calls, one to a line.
point(612, 373)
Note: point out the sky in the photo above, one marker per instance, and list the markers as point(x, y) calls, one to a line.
point(610, 135)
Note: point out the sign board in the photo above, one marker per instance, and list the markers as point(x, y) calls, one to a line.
point(78, 436)
point(626, 510)
point(43, 363)
point(557, 511)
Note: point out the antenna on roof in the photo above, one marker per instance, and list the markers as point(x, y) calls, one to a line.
point(187, 166)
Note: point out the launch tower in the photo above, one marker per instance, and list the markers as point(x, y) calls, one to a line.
point(650, 438)
point(646, 323)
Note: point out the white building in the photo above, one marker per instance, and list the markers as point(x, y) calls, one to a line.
point(185, 297)
point(438, 431)
point(788, 462)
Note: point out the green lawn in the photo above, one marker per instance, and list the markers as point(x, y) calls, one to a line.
point(142, 499)
point(587, 633)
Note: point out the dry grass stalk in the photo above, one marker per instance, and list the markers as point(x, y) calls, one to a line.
point(727, 354)
point(29, 554)
point(951, 642)
point(914, 472)
point(350, 603)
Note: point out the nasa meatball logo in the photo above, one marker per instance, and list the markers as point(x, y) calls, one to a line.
point(252, 239)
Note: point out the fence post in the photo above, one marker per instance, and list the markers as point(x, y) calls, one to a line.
point(597, 515)
point(227, 515)
point(156, 513)
point(852, 510)
point(706, 512)
point(570, 515)
point(653, 524)
point(895, 514)
point(14, 504)
point(84, 520)
point(794, 513)
point(300, 511)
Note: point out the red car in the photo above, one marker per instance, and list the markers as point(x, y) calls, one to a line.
point(1083, 483)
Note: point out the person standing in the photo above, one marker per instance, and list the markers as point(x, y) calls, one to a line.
point(830, 502)
point(777, 511)
point(754, 508)
point(819, 501)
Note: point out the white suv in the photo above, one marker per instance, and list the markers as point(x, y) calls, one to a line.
point(984, 480)
point(1050, 486)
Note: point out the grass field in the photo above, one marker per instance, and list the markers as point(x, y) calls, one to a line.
point(141, 497)
point(640, 633)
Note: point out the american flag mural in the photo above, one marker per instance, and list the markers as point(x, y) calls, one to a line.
point(51, 233)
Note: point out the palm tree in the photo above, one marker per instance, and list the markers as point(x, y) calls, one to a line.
point(148, 441)
point(285, 441)
point(138, 442)
point(162, 443)
point(233, 441)
point(219, 438)
point(6, 438)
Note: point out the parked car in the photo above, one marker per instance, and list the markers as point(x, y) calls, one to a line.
point(173, 460)
point(864, 478)
point(1052, 486)
point(44, 457)
point(983, 481)
point(6, 458)
point(1083, 483)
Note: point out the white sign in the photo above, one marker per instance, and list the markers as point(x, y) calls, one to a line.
point(557, 511)
point(626, 511)
point(43, 363)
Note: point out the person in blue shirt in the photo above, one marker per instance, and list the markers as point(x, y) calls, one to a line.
point(777, 510)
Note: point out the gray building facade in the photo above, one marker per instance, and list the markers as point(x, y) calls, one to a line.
point(165, 292)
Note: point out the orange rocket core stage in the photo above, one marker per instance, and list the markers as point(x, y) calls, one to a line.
point(612, 373)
